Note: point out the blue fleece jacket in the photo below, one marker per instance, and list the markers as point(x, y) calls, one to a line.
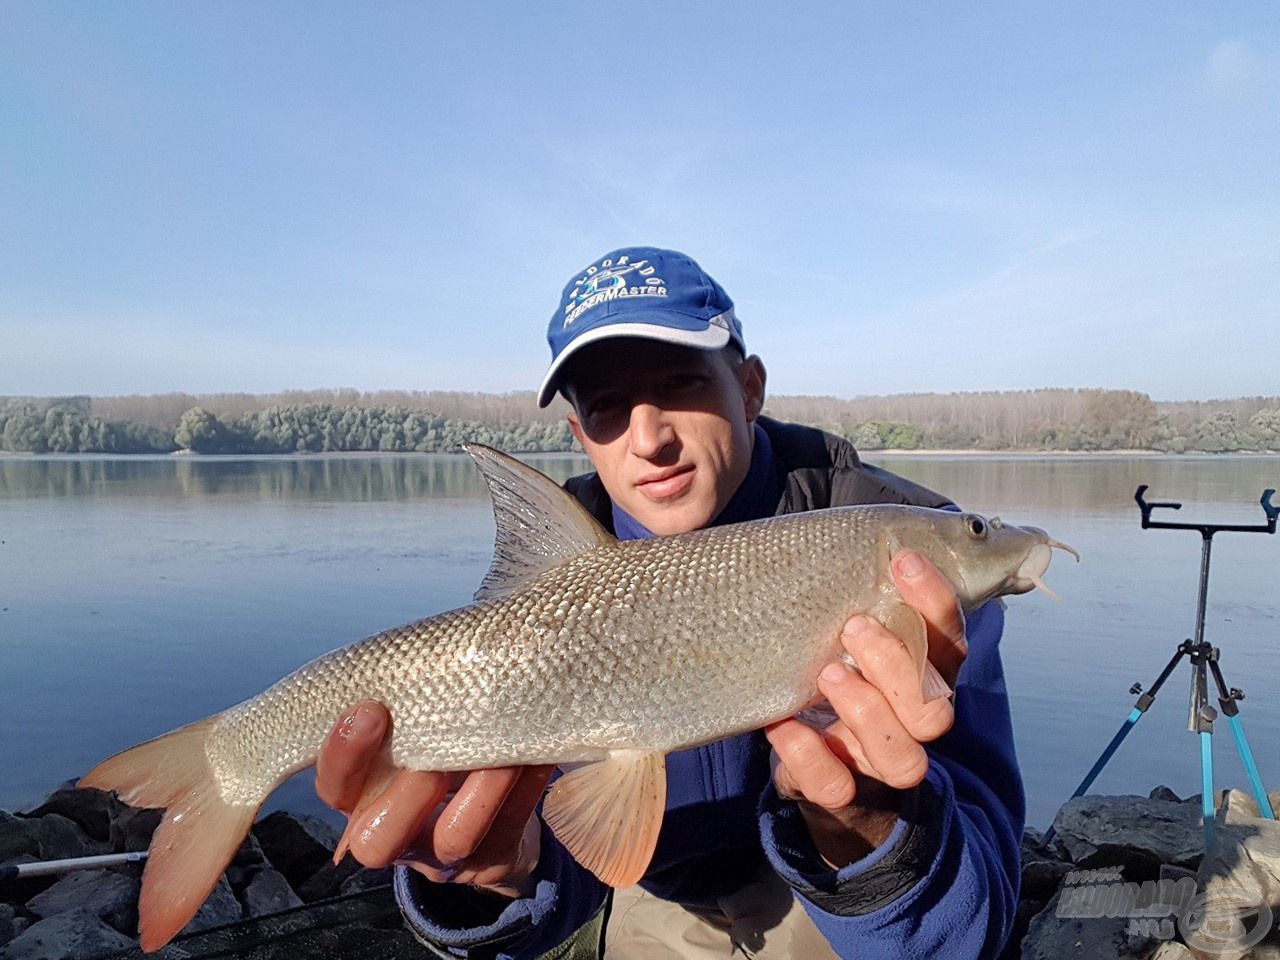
point(944, 882)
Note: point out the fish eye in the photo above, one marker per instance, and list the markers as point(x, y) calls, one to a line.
point(977, 527)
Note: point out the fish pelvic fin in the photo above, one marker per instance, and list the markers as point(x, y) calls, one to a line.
point(539, 524)
point(906, 623)
point(198, 836)
point(607, 813)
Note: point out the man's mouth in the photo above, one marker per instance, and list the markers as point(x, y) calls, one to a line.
point(666, 484)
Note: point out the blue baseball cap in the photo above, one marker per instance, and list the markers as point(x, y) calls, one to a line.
point(639, 292)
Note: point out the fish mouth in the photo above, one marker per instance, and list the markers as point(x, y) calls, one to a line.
point(1029, 574)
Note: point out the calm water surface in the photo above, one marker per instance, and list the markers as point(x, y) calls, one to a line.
point(138, 594)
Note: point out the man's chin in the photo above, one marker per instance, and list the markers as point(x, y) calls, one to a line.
point(666, 519)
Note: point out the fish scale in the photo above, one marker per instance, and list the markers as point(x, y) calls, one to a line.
point(655, 644)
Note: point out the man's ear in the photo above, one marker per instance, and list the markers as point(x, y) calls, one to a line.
point(751, 374)
point(576, 427)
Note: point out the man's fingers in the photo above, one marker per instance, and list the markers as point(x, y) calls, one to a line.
point(872, 727)
point(469, 815)
point(806, 766)
point(924, 588)
point(887, 665)
point(509, 851)
point(381, 832)
point(348, 754)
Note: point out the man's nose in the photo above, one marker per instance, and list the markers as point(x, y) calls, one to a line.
point(650, 432)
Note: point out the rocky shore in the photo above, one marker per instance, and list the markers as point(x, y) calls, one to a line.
point(283, 868)
point(1125, 878)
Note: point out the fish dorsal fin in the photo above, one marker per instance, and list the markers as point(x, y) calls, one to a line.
point(540, 524)
point(607, 813)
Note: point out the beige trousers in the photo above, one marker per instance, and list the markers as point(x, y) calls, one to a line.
point(763, 920)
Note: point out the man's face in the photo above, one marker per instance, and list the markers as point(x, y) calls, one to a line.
point(667, 428)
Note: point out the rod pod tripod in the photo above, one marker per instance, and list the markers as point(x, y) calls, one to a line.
point(1203, 658)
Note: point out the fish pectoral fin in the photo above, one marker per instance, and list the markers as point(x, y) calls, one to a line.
point(906, 623)
point(607, 813)
point(539, 524)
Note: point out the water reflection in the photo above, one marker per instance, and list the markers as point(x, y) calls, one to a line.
point(1091, 485)
point(352, 478)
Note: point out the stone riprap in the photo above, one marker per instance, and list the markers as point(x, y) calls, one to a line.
point(1127, 878)
point(1097, 892)
point(284, 863)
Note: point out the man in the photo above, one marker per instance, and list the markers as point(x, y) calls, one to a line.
point(846, 838)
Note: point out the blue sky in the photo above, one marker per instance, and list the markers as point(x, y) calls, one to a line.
point(900, 197)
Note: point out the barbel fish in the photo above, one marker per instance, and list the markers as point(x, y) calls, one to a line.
point(579, 650)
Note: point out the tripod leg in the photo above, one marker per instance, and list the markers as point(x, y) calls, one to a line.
point(1134, 716)
point(1140, 706)
point(1227, 698)
point(1206, 787)
point(1246, 757)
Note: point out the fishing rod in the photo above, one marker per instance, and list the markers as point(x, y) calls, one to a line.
point(45, 868)
point(1203, 658)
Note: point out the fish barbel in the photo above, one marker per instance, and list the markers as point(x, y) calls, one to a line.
point(579, 650)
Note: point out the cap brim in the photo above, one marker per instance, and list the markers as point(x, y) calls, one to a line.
point(712, 338)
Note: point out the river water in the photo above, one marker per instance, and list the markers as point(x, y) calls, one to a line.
point(140, 593)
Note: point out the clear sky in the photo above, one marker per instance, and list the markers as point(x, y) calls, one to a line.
point(900, 197)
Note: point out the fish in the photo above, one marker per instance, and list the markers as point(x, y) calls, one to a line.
point(598, 655)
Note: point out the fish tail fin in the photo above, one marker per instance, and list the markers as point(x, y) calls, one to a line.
point(200, 832)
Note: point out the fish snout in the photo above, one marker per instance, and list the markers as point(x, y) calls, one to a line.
point(1032, 569)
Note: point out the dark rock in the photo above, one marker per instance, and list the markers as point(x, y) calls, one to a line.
point(363, 880)
point(60, 838)
point(220, 908)
point(1135, 833)
point(1169, 872)
point(327, 881)
point(111, 896)
point(90, 810)
point(296, 844)
point(18, 836)
point(74, 933)
point(1053, 937)
point(1164, 793)
point(132, 827)
point(268, 892)
point(1027, 909)
point(1041, 878)
point(7, 915)
point(20, 891)
point(1033, 846)
point(248, 862)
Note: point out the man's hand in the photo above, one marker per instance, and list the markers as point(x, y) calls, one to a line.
point(475, 827)
point(846, 777)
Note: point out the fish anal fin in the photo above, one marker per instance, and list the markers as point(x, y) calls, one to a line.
point(608, 813)
point(906, 623)
point(539, 524)
point(198, 836)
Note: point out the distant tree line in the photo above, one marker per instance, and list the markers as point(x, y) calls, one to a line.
point(346, 420)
